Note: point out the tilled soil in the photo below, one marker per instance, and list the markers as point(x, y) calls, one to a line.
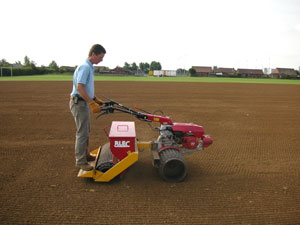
point(249, 175)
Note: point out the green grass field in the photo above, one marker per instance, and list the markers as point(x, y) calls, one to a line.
point(59, 77)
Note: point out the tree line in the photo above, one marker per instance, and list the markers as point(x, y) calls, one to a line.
point(143, 66)
point(133, 67)
point(29, 67)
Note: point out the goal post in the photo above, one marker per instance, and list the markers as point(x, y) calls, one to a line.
point(11, 72)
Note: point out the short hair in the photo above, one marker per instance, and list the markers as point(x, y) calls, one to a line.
point(97, 49)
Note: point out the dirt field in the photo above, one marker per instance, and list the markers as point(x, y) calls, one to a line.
point(250, 175)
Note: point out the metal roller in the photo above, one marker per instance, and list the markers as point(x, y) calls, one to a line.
point(104, 160)
point(172, 165)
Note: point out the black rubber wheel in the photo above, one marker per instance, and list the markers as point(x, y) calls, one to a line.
point(104, 166)
point(104, 161)
point(172, 165)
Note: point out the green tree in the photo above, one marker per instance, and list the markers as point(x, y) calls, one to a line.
point(192, 71)
point(181, 71)
point(53, 66)
point(133, 67)
point(3, 62)
point(126, 66)
point(145, 67)
point(33, 65)
point(155, 65)
point(26, 61)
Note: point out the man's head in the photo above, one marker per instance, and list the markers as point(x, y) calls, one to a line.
point(96, 54)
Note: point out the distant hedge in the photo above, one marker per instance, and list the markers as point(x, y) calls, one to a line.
point(21, 71)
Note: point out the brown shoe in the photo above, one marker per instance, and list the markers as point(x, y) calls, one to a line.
point(90, 158)
point(85, 167)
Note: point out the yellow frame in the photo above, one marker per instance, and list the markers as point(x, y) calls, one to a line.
point(118, 168)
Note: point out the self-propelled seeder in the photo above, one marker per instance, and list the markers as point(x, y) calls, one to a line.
point(174, 141)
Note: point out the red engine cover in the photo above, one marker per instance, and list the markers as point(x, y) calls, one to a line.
point(190, 142)
point(207, 141)
point(186, 128)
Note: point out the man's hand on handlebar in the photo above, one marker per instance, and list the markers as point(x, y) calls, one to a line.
point(110, 103)
point(107, 108)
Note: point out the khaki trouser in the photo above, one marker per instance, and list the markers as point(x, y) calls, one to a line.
point(81, 113)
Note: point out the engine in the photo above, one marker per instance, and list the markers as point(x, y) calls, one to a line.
point(187, 137)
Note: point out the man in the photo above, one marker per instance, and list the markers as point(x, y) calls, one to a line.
point(82, 100)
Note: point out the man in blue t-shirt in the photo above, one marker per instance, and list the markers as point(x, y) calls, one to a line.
point(82, 100)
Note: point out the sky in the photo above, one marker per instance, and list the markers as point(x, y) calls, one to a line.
point(177, 33)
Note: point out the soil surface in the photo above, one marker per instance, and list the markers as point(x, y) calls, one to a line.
point(249, 175)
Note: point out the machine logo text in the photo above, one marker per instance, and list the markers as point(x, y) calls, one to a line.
point(121, 144)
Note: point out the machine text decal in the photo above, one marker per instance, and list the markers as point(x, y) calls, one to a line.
point(121, 144)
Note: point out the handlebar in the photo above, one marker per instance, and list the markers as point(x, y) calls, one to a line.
point(111, 106)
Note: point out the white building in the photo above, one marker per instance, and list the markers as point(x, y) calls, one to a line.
point(164, 73)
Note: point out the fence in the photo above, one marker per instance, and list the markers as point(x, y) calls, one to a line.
point(11, 72)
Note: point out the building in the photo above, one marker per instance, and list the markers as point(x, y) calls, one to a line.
point(16, 65)
point(101, 69)
point(224, 71)
point(250, 73)
point(267, 71)
point(284, 73)
point(121, 71)
point(67, 69)
point(203, 71)
point(164, 73)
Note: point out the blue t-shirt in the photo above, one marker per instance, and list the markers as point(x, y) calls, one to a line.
point(84, 74)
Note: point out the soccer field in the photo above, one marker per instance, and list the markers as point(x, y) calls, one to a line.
point(249, 175)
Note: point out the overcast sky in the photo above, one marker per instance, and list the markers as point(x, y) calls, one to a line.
point(177, 33)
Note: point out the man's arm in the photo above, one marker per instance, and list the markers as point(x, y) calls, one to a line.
point(83, 93)
point(94, 106)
